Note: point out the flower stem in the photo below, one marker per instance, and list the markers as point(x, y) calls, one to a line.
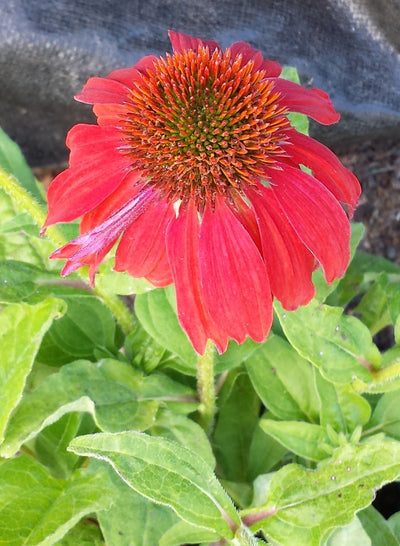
point(25, 200)
point(206, 387)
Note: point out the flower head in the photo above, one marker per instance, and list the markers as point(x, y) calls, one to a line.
point(195, 169)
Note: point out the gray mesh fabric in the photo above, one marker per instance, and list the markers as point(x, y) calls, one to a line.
point(48, 49)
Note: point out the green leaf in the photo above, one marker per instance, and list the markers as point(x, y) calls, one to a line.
point(51, 444)
point(340, 345)
point(108, 390)
point(13, 162)
point(164, 472)
point(132, 520)
point(159, 319)
point(299, 121)
point(303, 439)
point(341, 407)
point(87, 330)
point(185, 431)
point(85, 533)
point(18, 280)
point(386, 415)
point(377, 528)
point(36, 508)
point(22, 328)
point(283, 380)
point(323, 289)
point(373, 308)
point(352, 534)
point(304, 504)
point(264, 454)
point(235, 355)
point(239, 408)
point(120, 283)
point(394, 524)
point(185, 533)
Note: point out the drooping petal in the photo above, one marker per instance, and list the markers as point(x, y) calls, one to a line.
point(91, 247)
point(233, 275)
point(142, 249)
point(91, 179)
point(272, 68)
point(289, 263)
point(180, 42)
point(183, 252)
point(326, 167)
point(311, 102)
point(316, 216)
point(131, 185)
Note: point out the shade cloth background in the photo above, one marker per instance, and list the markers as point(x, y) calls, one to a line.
point(48, 49)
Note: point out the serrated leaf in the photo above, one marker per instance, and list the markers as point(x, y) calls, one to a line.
point(159, 319)
point(164, 472)
point(339, 345)
point(303, 504)
point(85, 533)
point(283, 380)
point(239, 408)
point(22, 328)
point(108, 390)
point(303, 439)
point(36, 508)
point(341, 407)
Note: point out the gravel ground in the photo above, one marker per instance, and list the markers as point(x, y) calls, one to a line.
point(377, 166)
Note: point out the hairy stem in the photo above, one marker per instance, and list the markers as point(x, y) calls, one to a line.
point(206, 387)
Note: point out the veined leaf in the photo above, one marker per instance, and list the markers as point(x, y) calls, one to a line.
point(167, 473)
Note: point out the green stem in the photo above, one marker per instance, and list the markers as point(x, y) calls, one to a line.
point(25, 200)
point(206, 387)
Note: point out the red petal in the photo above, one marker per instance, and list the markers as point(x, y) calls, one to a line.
point(81, 188)
point(90, 140)
point(142, 250)
point(103, 91)
point(181, 41)
point(311, 102)
point(128, 76)
point(129, 187)
point(289, 263)
point(316, 216)
point(326, 167)
point(234, 278)
point(110, 114)
point(183, 252)
point(272, 68)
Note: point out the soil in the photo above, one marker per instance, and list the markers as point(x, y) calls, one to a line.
point(377, 166)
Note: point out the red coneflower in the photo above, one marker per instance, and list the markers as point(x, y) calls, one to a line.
point(195, 168)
